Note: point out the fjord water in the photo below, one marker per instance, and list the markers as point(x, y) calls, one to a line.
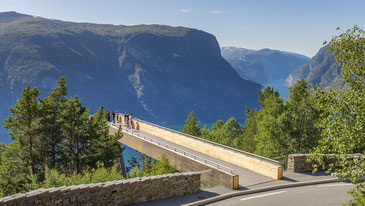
point(280, 86)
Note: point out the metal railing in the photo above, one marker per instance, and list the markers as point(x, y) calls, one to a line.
point(175, 149)
point(213, 143)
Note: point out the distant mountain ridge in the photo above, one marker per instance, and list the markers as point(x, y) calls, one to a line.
point(6, 17)
point(321, 69)
point(159, 73)
point(263, 65)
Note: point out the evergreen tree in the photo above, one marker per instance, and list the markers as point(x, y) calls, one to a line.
point(24, 126)
point(192, 126)
point(50, 120)
point(218, 125)
point(102, 147)
point(74, 117)
point(206, 134)
point(249, 131)
point(12, 170)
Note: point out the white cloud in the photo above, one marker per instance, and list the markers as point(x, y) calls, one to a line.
point(216, 12)
point(185, 10)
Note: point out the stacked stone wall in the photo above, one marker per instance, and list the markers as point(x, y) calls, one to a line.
point(121, 192)
point(298, 163)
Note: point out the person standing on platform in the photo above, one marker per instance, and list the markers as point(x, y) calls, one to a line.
point(131, 120)
point(113, 115)
point(106, 115)
point(117, 116)
point(125, 119)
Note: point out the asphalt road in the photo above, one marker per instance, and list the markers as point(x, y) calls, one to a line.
point(322, 195)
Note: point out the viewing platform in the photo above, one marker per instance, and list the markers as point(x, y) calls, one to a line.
point(223, 165)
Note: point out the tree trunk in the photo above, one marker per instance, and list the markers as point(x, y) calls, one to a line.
point(77, 157)
point(122, 165)
point(30, 147)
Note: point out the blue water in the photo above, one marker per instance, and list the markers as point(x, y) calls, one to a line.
point(280, 86)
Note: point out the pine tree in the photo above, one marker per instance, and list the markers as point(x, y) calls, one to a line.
point(102, 147)
point(74, 117)
point(250, 130)
point(24, 126)
point(192, 126)
point(50, 120)
point(218, 125)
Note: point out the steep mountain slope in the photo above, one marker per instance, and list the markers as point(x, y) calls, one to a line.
point(263, 65)
point(159, 73)
point(322, 69)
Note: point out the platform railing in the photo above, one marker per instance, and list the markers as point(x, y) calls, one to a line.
point(174, 149)
point(214, 143)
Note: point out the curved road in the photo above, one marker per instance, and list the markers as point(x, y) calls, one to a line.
point(321, 195)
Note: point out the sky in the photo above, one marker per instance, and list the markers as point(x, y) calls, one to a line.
point(299, 26)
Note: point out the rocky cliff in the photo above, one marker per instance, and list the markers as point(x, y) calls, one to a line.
point(159, 73)
point(321, 69)
point(263, 65)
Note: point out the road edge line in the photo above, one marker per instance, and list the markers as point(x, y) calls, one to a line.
point(258, 190)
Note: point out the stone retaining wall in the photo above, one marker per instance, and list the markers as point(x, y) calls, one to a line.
point(298, 163)
point(121, 192)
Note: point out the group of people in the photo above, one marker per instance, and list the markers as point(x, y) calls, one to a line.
point(128, 120)
point(116, 117)
point(110, 117)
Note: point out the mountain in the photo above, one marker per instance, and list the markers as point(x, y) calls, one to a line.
point(321, 69)
point(263, 65)
point(6, 17)
point(159, 73)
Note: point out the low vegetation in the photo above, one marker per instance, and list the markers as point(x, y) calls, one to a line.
point(149, 167)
